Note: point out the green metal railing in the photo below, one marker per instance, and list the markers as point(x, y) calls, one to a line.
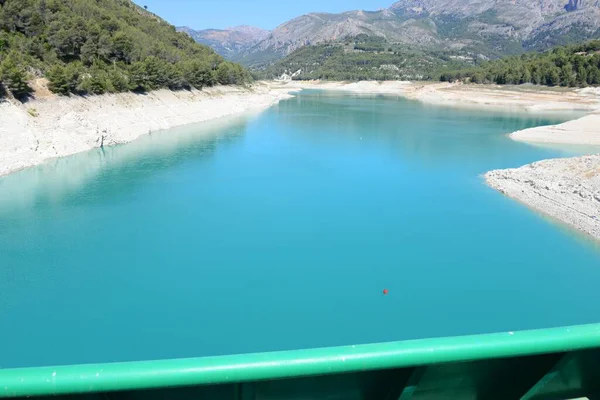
point(527, 364)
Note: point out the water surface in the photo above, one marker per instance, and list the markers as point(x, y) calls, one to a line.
point(280, 231)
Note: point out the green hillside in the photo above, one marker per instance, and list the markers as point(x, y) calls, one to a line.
point(98, 46)
point(372, 58)
point(575, 65)
point(365, 58)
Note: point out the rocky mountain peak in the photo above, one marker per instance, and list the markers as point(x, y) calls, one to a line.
point(488, 27)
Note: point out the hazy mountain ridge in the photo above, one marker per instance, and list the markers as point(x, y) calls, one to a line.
point(230, 41)
point(488, 27)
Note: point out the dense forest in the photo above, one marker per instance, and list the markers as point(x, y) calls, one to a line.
point(364, 57)
point(574, 65)
point(99, 46)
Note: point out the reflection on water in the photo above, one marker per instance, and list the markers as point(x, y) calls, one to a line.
point(425, 135)
point(54, 180)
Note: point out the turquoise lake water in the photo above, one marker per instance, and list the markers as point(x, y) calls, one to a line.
point(280, 231)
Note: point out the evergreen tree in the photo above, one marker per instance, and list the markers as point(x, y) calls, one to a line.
point(65, 79)
point(526, 78)
point(199, 74)
point(14, 76)
point(593, 75)
point(581, 76)
point(567, 77)
point(553, 77)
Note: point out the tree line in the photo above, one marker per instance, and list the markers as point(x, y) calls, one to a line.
point(573, 66)
point(367, 57)
point(99, 46)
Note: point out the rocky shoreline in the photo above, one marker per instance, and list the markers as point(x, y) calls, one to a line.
point(583, 131)
point(518, 98)
point(567, 189)
point(53, 127)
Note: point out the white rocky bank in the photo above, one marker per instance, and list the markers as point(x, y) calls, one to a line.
point(60, 126)
point(567, 189)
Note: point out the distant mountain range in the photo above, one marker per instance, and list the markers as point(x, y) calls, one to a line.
point(228, 42)
point(487, 28)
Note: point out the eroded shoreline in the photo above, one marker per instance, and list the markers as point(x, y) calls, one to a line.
point(43, 129)
point(567, 189)
point(524, 97)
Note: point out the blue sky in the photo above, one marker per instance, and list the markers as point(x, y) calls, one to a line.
point(267, 14)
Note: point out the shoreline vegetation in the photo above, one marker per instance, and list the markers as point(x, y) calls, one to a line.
point(573, 66)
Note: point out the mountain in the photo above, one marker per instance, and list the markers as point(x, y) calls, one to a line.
point(489, 28)
point(228, 42)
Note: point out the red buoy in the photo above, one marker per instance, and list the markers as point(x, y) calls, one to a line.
point(385, 291)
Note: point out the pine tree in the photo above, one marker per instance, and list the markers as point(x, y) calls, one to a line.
point(581, 76)
point(526, 76)
point(553, 77)
point(14, 76)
